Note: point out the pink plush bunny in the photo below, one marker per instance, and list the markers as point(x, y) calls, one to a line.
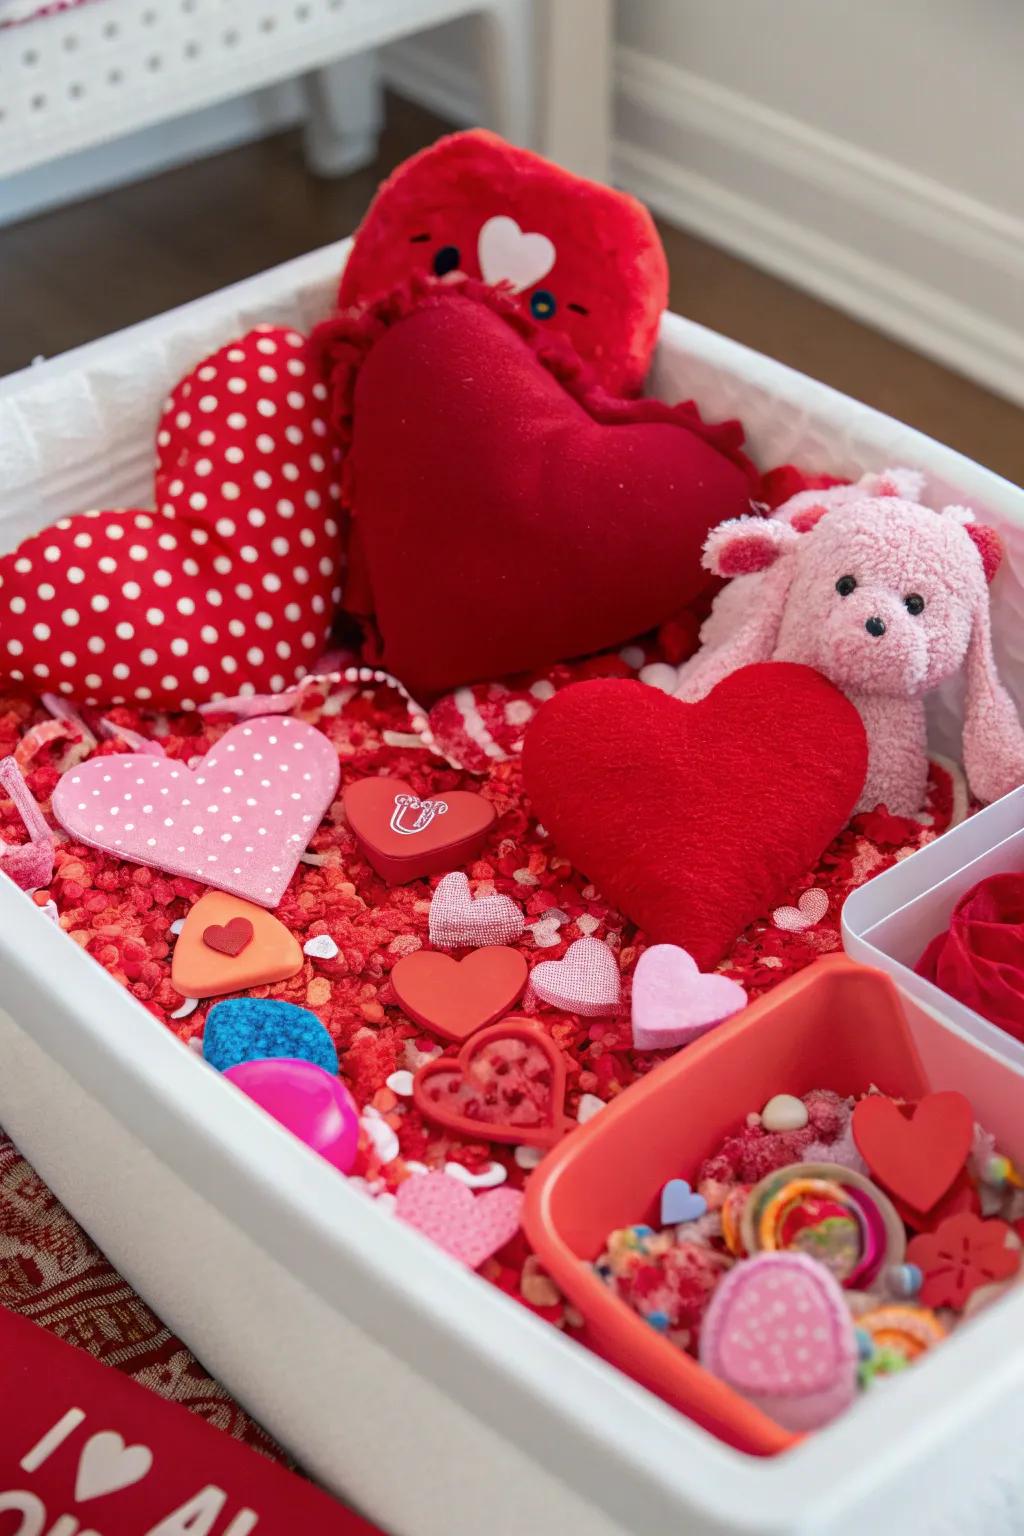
point(885, 597)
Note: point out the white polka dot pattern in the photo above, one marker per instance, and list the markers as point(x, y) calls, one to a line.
point(240, 820)
point(778, 1330)
point(172, 607)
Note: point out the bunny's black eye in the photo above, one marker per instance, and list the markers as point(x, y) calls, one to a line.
point(845, 585)
point(914, 603)
point(447, 259)
point(542, 304)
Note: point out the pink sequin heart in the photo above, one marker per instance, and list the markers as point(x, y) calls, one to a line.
point(240, 821)
point(457, 921)
point(585, 980)
point(469, 1227)
point(778, 1330)
point(673, 1002)
point(810, 909)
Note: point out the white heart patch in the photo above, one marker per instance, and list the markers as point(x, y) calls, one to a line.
point(508, 255)
point(107, 1464)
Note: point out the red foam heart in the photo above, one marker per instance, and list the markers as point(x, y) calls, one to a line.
point(695, 819)
point(527, 516)
point(404, 837)
point(455, 998)
point(229, 938)
point(506, 1084)
point(916, 1156)
point(231, 581)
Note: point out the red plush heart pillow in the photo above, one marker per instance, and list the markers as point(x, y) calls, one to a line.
point(230, 585)
point(507, 512)
point(695, 819)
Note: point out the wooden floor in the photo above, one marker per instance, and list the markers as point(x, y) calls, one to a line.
point(80, 272)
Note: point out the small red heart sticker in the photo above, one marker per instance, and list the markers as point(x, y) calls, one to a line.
point(229, 938)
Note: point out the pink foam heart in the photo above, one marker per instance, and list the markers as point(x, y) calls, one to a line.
point(456, 920)
point(585, 981)
point(239, 821)
point(810, 909)
point(778, 1330)
point(673, 1002)
point(469, 1227)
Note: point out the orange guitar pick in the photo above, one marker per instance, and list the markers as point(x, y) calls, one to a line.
point(202, 969)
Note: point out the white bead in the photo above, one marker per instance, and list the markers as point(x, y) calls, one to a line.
point(784, 1113)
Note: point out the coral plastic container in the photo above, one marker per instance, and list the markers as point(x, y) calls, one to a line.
point(433, 1402)
point(836, 1025)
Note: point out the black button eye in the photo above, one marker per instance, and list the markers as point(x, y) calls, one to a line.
point(845, 585)
point(542, 304)
point(914, 603)
point(447, 259)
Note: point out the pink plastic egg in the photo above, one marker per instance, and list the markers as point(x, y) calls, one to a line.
point(313, 1105)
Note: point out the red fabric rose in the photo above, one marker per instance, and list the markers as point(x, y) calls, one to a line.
point(980, 959)
point(963, 1253)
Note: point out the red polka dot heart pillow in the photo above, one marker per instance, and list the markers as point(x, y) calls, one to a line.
point(229, 585)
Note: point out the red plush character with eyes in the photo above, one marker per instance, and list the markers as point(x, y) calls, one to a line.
point(581, 259)
point(510, 503)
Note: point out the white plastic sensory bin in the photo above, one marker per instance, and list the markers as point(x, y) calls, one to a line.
point(409, 1386)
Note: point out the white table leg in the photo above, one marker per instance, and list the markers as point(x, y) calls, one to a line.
point(577, 75)
point(344, 115)
point(508, 70)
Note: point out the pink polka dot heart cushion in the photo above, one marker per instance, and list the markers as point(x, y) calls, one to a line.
point(229, 584)
point(240, 820)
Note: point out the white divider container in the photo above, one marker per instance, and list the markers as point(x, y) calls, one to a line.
point(405, 1384)
point(890, 921)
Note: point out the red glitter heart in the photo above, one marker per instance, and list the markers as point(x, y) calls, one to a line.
point(506, 1084)
point(229, 938)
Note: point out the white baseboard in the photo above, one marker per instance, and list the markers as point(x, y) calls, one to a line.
point(886, 206)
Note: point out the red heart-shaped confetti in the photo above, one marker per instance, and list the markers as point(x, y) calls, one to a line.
point(232, 581)
point(917, 1156)
point(506, 1084)
point(229, 938)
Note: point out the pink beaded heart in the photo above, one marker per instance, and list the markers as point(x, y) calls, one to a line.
point(457, 921)
point(240, 821)
point(673, 1002)
point(585, 981)
point(469, 1227)
point(810, 909)
point(778, 1330)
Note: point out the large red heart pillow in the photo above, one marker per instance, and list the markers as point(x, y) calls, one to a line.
point(506, 511)
point(229, 584)
point(694, 819)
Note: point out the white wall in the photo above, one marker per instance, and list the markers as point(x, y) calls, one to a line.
point(869, 150)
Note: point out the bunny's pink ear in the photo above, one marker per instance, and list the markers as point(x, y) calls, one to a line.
point(745, 545)
point(989, 546)
point(993, 738)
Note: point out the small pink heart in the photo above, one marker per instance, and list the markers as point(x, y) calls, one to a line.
point(810, 909)
point(469, 1227)
point(457, 921)
point(585, 981)
point(779, 1332)
point(673, 1002)
point(239, 821)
